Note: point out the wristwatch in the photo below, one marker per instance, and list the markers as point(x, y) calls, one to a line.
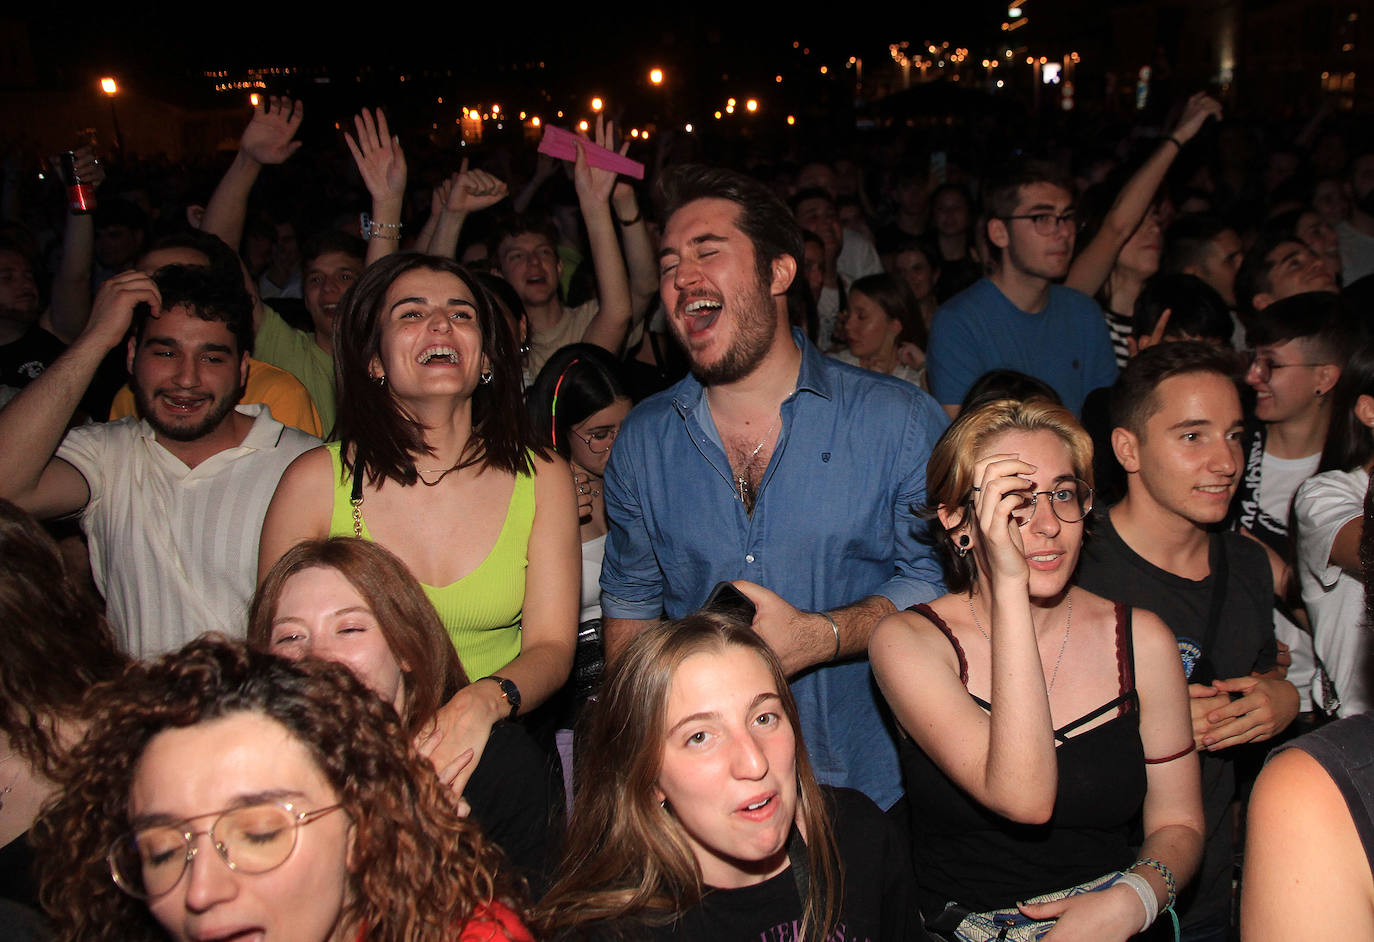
point(510, 692)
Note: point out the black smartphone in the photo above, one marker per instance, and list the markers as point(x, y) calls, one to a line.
point(727, 599)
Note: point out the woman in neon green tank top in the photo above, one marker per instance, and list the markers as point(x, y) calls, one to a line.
point(434, 460)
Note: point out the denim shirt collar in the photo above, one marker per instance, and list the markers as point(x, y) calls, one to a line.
point(687, 397)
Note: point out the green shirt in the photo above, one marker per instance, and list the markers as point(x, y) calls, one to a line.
point(296, 351)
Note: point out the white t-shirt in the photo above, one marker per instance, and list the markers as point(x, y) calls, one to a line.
point(593, 552)
point(1279, 480)
point(1334, 598)
point(174, 550)
point(1357, 252)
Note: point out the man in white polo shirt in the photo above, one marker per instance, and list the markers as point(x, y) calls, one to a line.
point(172, 504)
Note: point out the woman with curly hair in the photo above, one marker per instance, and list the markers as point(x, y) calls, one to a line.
point(53, 647)
point(353, 602)
point(230, 793)
point(697, 815)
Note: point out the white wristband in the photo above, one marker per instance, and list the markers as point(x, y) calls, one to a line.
point(1146, 893)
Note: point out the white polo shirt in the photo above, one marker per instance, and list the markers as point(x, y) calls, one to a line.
point(174, 549)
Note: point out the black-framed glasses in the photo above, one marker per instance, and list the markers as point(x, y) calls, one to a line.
point(1263, 367)
point(149, 861)
point(1046, 223)
point(1070, 499)
point(603, 435)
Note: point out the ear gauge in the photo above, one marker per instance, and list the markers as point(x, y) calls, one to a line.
point(963, 543)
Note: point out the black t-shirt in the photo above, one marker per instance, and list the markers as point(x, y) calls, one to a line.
point(23, 360)
point(1243, 642)
point(878, 897)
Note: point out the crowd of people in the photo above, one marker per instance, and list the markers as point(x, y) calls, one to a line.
point(882, 546)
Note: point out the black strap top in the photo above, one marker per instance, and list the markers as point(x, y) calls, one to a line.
point(966, 854)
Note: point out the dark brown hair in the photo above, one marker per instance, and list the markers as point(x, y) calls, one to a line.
point(54, 643)
point(379, 437)
point(417, 868)
point(628, 860)
point(411, 626)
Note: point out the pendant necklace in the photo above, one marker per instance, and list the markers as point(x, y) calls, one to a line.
point(742, 486)
point(1068, 623)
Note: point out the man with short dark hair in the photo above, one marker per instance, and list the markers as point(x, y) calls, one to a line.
point(1207, 247)
point(1018, 317)
point(172, 505)
point(1278, 265)
point(771, 464)
point(1177, 433)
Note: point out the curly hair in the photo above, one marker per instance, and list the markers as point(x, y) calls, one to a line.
point(406, 616)
point(379, 435)
point(417, 868)
point(54, 645)
point(627, 859)
point(949, 475)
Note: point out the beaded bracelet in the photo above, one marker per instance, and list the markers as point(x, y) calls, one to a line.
point(1164, 872)
point(372, 229)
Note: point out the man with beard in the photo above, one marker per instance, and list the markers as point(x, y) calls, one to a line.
point(172, 505)
point(772, 465)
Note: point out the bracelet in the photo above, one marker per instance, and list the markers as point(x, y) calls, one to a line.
point(372, 229)
point(835, 628)
point(630, 222)
point(1147, 896)
point(1172, 140)
point(1164, 872)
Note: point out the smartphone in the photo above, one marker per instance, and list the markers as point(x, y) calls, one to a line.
point(728, 600)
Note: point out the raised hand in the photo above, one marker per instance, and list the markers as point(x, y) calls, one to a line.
point(113, 309)
point(268, 137)
point(378, 155)
point(595, 185)
point(473, 190)
point(1001, 483)
point(87, 167)
point(1199, 108)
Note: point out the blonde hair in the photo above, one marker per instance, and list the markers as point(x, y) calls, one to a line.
point(949, 475)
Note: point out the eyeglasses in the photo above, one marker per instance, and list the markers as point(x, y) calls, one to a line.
point(1263, 367)
point(148, 862)
point(1046, 223)
point(1071, 501)
point(603, 433)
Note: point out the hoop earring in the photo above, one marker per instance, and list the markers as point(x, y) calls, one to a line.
point(486, 377)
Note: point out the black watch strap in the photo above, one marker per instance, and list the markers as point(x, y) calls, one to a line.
point(510, 692)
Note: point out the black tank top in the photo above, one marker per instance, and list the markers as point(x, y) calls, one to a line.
point(966, 854)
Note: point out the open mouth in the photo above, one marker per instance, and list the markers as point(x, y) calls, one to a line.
point(700, 314)
point(183, 405)
point(760, 807)
point(445, 356)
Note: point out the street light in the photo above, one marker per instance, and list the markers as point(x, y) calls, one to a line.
point(597, 104)
point(111, 88)
point(656, 76)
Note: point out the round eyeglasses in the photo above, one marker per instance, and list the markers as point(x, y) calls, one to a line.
point(148, 862)
point(1263, 367)
point(603, 435)
point(1070, 499)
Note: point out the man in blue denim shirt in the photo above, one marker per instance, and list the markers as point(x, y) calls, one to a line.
point(773, 466)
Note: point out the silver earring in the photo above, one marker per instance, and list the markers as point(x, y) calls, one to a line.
point(486, 377)
point(380, 380)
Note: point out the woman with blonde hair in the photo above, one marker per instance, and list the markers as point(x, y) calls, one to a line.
point(1037, 720)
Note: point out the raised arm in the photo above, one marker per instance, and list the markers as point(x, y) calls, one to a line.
point(34, 422)
point(377, 152)
point(1004, 758)
point(544, 169)
point(639, 254)
point(71, 286)
point(268, 139)
point(469, 191)
point(1095, 260)
point(594, 186)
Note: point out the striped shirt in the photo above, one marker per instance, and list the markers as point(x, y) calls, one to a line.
point(174, 550)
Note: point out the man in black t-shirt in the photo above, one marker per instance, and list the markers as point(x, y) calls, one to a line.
point(1177, 431)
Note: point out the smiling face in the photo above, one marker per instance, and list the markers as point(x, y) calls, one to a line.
point(187, 374)
point(326, 279)
point(729, 770)
point(530, 263)
point(321, 614)
point(1186, 462)
point(591, 439)
point(431, 343)
point(720, 309)
point(1051, 546)
point(191, 774)
point(1294, 269)
point(1297, 381)
point(870, 331)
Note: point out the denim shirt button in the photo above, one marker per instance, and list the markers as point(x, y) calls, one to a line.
point(749, 558)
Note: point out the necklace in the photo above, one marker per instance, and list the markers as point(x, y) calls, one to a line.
point(1068, 623)
point(442, 472)
point(746, 490)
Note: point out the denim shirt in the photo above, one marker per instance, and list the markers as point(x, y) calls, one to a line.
point(834, 522)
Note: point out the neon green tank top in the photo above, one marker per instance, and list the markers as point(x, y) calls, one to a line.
point(482, 610)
